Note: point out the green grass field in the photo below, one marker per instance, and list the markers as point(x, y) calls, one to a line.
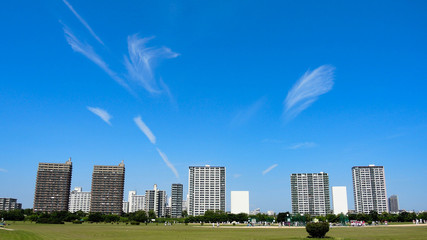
point(23, 231)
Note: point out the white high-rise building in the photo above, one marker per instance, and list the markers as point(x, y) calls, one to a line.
point(310, 193)
point(136, 202)
point(369, 189)
point(206, 189)
point(79, 201)
point(125, 207)
point(239, 202)
point(339, 200)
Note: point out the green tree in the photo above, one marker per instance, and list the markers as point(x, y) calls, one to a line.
point(139, 216)
point(152, 214)
point(184, 213)
point(95, 217)
point(283, 216)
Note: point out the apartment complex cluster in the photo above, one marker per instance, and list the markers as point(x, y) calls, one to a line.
point(206, 191)
point(310, 193)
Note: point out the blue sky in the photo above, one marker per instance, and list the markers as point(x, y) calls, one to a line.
point(265, 88)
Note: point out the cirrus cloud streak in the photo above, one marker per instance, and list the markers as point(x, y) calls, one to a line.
point(104, 115)
point(307, 89)
point(269, 169)
point(144, 128)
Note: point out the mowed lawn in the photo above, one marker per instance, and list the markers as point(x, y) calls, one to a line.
point(24, 231)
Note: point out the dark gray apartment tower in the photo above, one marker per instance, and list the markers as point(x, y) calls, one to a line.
point(176, 200)
point(156, 200)
point(393, 204)
point(7, 204)
point(310, 193)
point(369, 188)
point(107, 189)
point(53, 187)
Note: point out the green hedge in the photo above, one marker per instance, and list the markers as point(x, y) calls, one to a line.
point(317, 230)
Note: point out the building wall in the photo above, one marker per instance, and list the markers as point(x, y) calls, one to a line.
point(136, 202)
point(79, 201)
point(125, 207)
point(369, 189)
point(107, 189)
point(176, 200)
point(239, 202)
point(53, 184)
point(310, 193)
point(339, 200)
point(393, 203)
point(206, 189)
point(156, 200)
point(7, 204)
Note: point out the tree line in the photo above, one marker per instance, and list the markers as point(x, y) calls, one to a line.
point(208, 217)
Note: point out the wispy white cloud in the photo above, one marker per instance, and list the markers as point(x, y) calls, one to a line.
point(104, 115)
point(3, 170)
point(302, 145)
point(307, 89)
point(83, 21)
point(87, 51)
point(141, 125)
point(269, 169)
point(168, 163)
point(237, 175)
point(244, 115)
point(142, 60)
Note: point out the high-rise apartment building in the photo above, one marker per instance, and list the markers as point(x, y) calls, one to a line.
point(310, 193)
point(239, 202)
point(107, 189)
point(7, 204)
point(53, 187)
point(176, 200)
point(125, 207)
point(79, 201)
point(369, 189)
point(136, 202)
point(393, 203)
point(206, 189)
point(339, 200)
point(156, 200)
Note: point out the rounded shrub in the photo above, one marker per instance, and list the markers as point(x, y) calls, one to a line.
point(317, 230)
point(134, 223)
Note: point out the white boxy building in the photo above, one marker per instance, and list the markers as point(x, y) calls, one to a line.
point(240, 202)
point(339, 200)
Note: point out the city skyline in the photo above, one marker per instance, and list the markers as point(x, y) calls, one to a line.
point(264, 88)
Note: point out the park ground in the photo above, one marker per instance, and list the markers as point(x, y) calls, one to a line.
point(24, 231)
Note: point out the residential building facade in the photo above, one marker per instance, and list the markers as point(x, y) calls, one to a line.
point(107, 189)
point(53, 185)
point(176, 200)
point(136, 202)
point(79, 201)
point(7, 204)
point(310, 193)
point(369, 188)
point(393, 203)
point(156, 200)
point(206, 189)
